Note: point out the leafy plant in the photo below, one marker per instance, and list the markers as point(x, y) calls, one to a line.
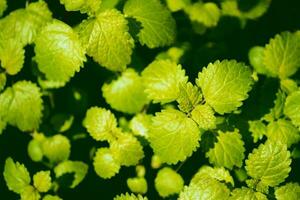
point(190, 133)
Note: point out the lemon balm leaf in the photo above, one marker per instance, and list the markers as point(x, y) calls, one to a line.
point(162, 79)
point(228, 151)
point(189, 97)
point(84, 6)
point(107, 39)
point(204, 116)
point(22, 105)
point(3, 6)
point(130, 197)
point(246, 194)
point(289, 191)
point(16, 176)
point(173, 136)
point(42, 181)
point(126, 94)
point(137, 185)
point(30, 193)
point(292, 107)
point(219, 79)
point(158, 26)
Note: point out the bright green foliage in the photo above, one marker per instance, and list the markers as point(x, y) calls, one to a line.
point(59, 43)
point(162, 79)
point(189, 97)
point(128, 148)
point(126, 94)
point(107, 39)
point(168, 182)
point(292, 107)
point(130, 197)
point(208, 188)
point(256, 58)
point(228, 151)
point(51, 197)
point(176, 5)
point(21, 106)
point(204, 116)
point(3, 6)
point(158, 26)
point(173, 136)
point(11, 56)
point(16, 176)
point(288, 85)
point(290, 191)
point(258, 129)
point(269, 163)
point(56, 148)
point(106, 163)
point(23, 24)
point(100, 123)
point(283, 131)
point(137, 185)
point(108, 4)
point(30, 193)
point(207, 14)
point(84, 6)
point(282, 55)
point(219, 79)
point(277, 111)
point(140, 125)
point(2, 81)
point(218, 173)
point(174, 53)
point(246, 194)
point(42, 181)
point(79, 169)
point(2, 125)
point(35, 150)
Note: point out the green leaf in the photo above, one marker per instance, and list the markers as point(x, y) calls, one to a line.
point(107, 39)
point(228, 151)
point(288, 85)
point(3, 6)
point(204, 116)
point(22, 105)
point(56, 148)
point(24, 24)
point(290, 191)
point(2, 81)
point(207, 14)
point(162, 79)
point(277, 111)
point(16, 176)
point(158, 26)
point(51, 197)
point(58, 43)
point(246, 194)
point(100, 123)
point(137, 185)
point(269, 163)
point(106, 163)
point(84, 6)
point(283, 131)
point(11, 56)
point(282, 55)
point(80, 170)
point(168, 182)
point(219, 79)
point(126, 94)
point(218, 173)
point(189, 97)
point(176, 5)
point(258, 129)
point(173, 136)
point(140, 124)
point(42, 181)
point(292, 107)
point(208, 188)
point(30, 193)
point(35, 150)
point(130, 197)
point(256, 58)
point(128, 148)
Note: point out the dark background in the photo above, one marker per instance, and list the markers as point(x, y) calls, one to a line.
point(227, 41)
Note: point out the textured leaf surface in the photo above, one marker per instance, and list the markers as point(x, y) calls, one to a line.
point(84, 6)
point(130, 197)
point(140, 124)
point(292, 107)
point(173, 136)
point(16, 176)
point(246, 194)
point(207, 14)
point(282, 54)
point(204, 116)
point(228, 151)
point(21, 106)
point(258, 129)
point(126, 94)
point(269, 163)
point(100, 123)
point(51, 197)
point(30, 193)
point(189, 97)
point(219, 79)
point(168, 182)
point(42, 181)
point(59, 53)
point(290, 191)
point(158, 26)
point(137, 185)
point(107, 39)
point(162, 80)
